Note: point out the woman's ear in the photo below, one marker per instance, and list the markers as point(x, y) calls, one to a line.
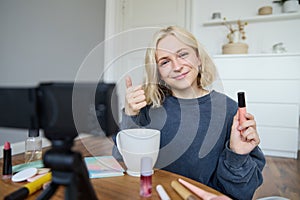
point(199, 63)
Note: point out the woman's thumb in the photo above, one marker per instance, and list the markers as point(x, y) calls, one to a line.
point(128, 82)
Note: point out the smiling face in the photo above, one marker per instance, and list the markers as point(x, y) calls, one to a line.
point(178, 65)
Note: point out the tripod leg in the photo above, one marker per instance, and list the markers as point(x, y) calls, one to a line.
point(88, 186)
point(68, 169)
point(48, 192)
point(71, 190)
point(80, 186)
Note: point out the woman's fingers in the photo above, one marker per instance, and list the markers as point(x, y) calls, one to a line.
point(250, 122)
point(138, 106)
point(135, 98)
point(134, 92)
point(244, 137)
point(250, 135)
point(249, 116)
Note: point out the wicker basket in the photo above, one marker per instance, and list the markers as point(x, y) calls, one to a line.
point(235, 48)
point(266, 10)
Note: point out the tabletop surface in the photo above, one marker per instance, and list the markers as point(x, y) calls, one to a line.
point(120, 187)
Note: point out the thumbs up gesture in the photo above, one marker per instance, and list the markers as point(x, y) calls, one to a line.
point(135, 98)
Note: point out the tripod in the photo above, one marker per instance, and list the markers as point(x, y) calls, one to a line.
point(68, 169)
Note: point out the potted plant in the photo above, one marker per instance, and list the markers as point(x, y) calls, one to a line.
point(236, 37)
point(236, 33)
point(288, 6)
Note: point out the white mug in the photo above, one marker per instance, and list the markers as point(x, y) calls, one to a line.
point(134, 144)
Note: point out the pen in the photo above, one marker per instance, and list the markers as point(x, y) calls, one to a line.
point(29, 188)
point(182, 191)
point(7, 165)
point(162, 193)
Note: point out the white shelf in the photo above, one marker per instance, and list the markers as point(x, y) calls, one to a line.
point(259, 18)
point(255, 55)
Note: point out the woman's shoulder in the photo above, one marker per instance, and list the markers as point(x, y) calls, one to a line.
point(219, 96)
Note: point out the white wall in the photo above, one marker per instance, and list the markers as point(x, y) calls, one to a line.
point(261, 36)
point(46, 41)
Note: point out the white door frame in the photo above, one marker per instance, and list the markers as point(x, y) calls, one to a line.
point(113, 22)
point(113, 16)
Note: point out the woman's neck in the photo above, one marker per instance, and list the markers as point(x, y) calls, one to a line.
point(191, 93)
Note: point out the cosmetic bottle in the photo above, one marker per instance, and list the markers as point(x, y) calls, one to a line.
point(7, 163)
point(146, 177)
point(242, 107)
point(33, 146)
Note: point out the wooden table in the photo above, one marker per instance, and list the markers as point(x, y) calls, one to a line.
point(118, 188)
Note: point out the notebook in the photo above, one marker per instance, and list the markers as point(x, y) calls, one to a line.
point(103, 166)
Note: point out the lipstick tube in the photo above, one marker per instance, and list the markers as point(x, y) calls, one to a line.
point(7, 164)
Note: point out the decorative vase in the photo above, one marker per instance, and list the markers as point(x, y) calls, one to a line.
point(290, 6)
point(234, 37)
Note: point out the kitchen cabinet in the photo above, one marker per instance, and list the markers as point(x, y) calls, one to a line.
point(272, 86)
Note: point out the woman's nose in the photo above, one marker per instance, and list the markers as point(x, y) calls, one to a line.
point(177, 65)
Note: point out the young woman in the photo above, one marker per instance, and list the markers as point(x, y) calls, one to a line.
point(201, 137)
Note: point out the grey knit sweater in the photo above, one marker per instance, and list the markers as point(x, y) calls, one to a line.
point(194, 143)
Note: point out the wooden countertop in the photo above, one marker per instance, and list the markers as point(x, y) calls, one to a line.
point(121, 187)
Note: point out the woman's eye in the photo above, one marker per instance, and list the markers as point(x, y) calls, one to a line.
point(183, 54)
point(163, 63)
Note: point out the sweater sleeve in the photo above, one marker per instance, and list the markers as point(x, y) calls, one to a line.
point(137, 121)
point(238, 175)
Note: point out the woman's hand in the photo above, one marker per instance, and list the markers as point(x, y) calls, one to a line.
point(135, 98)
point(244, 137)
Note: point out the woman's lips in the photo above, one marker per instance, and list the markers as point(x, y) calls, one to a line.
point(181, 76)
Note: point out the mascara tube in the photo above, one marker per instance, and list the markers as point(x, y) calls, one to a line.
point(29, 188)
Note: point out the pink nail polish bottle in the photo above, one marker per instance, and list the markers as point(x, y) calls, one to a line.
point(146, 177)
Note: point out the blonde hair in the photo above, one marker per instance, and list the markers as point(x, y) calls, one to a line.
point(154, 91)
